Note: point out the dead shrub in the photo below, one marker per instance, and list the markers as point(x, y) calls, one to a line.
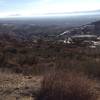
point(66, 86)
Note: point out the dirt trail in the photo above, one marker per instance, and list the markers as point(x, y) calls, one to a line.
point(18, 87)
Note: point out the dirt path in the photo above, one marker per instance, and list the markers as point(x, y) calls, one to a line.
point(18, 87)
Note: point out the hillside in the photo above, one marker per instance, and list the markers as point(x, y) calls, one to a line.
point(97, 27)
point(28, 53)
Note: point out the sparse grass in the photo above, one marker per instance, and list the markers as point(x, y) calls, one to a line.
point(66, 86)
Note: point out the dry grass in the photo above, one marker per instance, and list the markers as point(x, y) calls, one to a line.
point(67, 86)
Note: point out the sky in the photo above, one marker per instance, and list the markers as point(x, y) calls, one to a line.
point(11, 8)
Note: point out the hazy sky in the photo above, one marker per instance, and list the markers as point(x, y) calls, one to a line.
point(39, 7)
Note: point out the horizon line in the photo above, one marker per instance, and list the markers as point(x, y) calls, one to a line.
point(73, 13)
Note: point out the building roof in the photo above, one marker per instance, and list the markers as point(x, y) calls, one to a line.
point(84, 36)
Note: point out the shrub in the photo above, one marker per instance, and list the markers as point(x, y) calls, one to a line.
point(66, 86)
point(92, 68)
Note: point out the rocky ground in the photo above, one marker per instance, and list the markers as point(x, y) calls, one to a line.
point(18, 87)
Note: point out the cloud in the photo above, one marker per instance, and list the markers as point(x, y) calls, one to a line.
point(40, 7)
point(16, 15)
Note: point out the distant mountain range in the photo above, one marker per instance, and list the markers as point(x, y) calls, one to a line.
point(88, 29)
point(28, 33)
point(77, 12)
point(58, 14)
